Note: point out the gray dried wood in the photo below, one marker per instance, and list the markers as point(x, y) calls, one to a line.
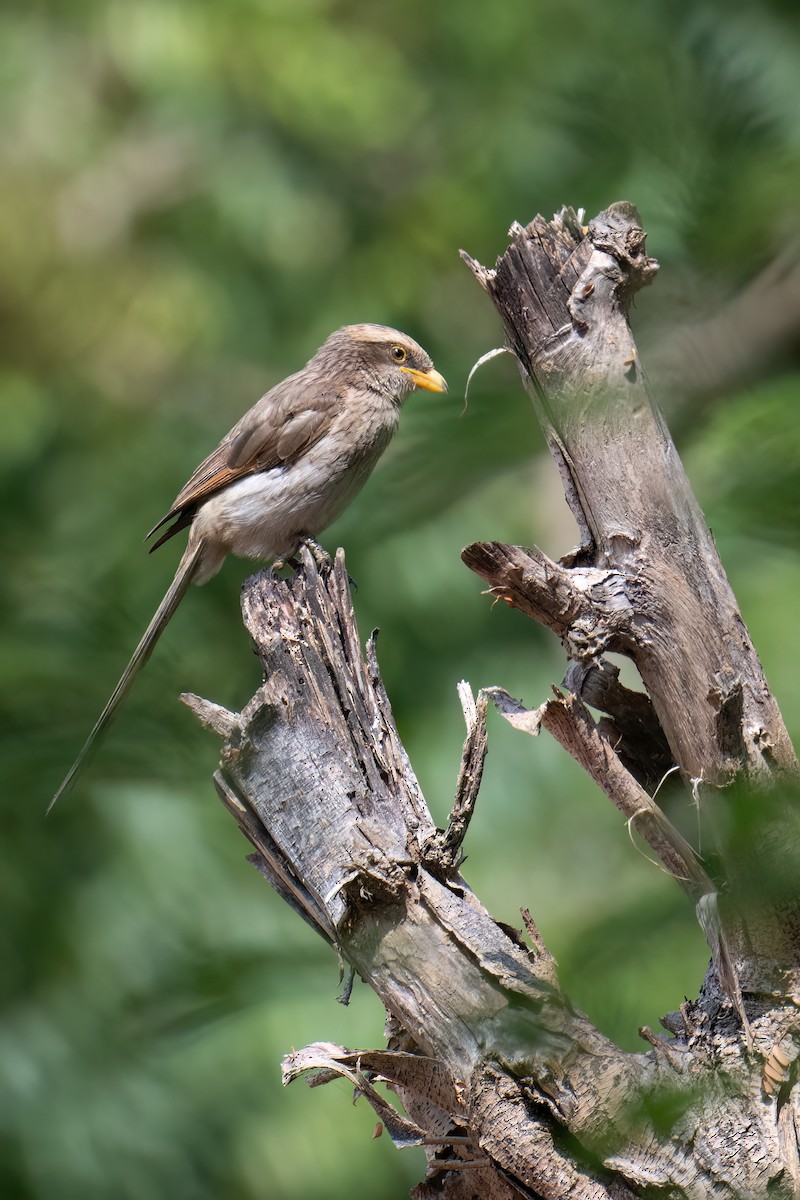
point(647, 580)
point(508, 1087)
point(319, 783)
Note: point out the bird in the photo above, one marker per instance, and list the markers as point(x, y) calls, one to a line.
point(283, 474)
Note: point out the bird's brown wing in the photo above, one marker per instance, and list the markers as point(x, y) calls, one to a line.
point(275, 432)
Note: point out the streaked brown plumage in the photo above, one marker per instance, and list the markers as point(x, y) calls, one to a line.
point(285, 471)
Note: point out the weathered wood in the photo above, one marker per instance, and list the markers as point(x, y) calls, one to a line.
point(319, 783)
point(442, 852)
point(315, 775)
point(630, 724)
point(493, 1064)
point(563, 294)
point(647, 580)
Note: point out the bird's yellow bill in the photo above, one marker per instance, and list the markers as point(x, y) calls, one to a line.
point(429, 381)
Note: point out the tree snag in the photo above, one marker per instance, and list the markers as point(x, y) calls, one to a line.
point(509, 1088)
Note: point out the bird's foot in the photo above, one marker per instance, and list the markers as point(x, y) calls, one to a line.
point(318, 553)
point(280, 564)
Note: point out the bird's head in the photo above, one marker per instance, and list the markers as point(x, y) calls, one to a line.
point(392, 361)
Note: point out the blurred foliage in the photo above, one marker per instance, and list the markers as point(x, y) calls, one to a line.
point(194, 195)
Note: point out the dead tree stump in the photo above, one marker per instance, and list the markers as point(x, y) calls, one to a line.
point(510, 1089)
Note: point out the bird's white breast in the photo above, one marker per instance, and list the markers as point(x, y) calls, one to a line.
point(265, 515)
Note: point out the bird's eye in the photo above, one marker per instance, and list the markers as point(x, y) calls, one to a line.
point(398, 354)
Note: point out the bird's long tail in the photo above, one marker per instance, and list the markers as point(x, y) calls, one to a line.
point(187, 569)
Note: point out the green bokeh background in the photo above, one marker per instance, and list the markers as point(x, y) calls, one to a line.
point(194, 194)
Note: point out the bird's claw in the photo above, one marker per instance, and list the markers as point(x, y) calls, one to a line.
point(318, 553)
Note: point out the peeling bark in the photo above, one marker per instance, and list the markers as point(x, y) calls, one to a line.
point(509, 1088)
point(647, 577)
point(314, 773)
